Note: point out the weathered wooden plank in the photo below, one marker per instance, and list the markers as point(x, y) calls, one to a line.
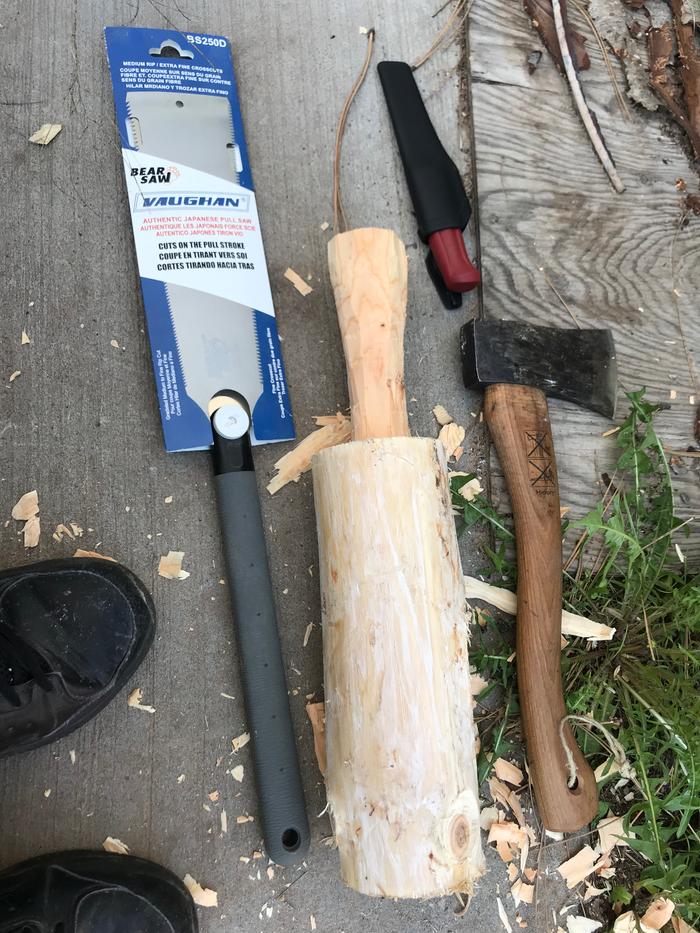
point(549, 219)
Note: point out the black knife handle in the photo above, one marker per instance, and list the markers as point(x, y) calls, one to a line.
point(280, 793)
point(434, 182)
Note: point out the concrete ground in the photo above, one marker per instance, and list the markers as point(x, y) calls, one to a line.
point(80, 424)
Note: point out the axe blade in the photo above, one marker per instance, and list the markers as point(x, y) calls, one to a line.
point(575, 365)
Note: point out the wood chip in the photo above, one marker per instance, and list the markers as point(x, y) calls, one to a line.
point(582, 925)
point(81, 552)
point(46, 133)
point(325, 225)
point(115, 845)
point(224, 822)
point(513, 872)
point(214, 796)
point(471, 489)
point(317, 716)
point(25, 338)
point(26, 510)
point(204, 897)
point(489, 816)
point(442, 415)
point(337, 430)
point(168, 500)
point(477, 684)
point(506, 601)
point(13, 376)
point(522, 892)
point(503, 794)
point(244, 818)
point(76, 529)
point(451, 436)
point(307, 633)
point(114, 343)
point(580, 866)
point(507, 832)
point(240, 741)
point(611, 833)
point(312, 921)
point(507, 771)
point(591, 892)
point(301, 286)
point(170, 566)
point(134, 701)
point(504, 916)
point(62, 531)
point(657, 914)
point(237, 773)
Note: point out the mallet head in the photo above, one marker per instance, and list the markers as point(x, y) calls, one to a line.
point(575, 365)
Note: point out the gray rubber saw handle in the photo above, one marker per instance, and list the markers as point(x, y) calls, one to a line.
point(280, 792)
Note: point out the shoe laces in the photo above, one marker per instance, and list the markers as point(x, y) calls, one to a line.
point(16, 656)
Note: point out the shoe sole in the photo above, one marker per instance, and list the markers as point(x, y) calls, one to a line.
point(84, 862)
point(103, 568)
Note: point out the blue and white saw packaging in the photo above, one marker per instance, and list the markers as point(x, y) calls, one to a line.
point(206, 291)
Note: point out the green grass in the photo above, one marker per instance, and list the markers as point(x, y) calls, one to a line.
point(644, 686)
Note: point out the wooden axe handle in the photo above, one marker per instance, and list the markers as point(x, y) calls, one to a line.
point(518, 420)
point(368, 270)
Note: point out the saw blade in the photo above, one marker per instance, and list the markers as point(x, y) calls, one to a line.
point(216, 338)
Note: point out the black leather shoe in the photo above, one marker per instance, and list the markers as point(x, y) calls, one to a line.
point(72, 633)
point(93, 892)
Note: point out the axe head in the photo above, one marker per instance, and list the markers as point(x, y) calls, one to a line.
point(575, 365)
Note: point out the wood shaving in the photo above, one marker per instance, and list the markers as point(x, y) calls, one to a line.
point(301, 286)
point(224, 822)
point(270, 872)
point(26, 510)
point(507, 771)
point(134, 701)
point(489, 816)
point(504, 916)
point(81, 552)
point(530, 874)
point(513, 873)
point(579, 867)
point(237, 773)
point(582, 925)
point(312, 921)
point(522, 892)
point(471, 489)
point(204, 897)
point(72, 756)
point(336, 430)
point(76, 529)
point(507, 832)
point(503, 794)
point(214, 796)
point(244, 818)
point(611, 833)
point(477, 684)
point(680, 926)
point(240, 741)
point(62, 531)
point(13, 376)
point(46, 133)
point(451, 436)
point(114, 343)
point(657, 914)
point(168, 500)
point(442, 415)
point(307, 633)
point(25, 338)
point(181, 779)
point(115, 845)
point(317, 716)
point(325, 225)
point(170, 566)
point(506, 601)
point(592, 892)
point(626, 923)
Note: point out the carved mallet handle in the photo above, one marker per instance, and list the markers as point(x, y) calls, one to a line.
point(368, 271)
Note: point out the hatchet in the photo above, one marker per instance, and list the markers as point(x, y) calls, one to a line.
point(519, 365)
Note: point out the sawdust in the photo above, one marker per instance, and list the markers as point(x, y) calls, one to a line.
point(301, 286)
point(134, 701)
point(46, 133)
point(317, 716)
point(333, 430)
point(115, 845)
point(26, 510)
point(170, 566)
point(204, 897)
